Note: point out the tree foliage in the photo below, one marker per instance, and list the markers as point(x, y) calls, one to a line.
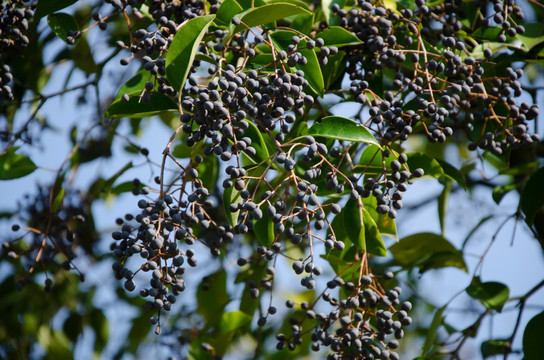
point(263, 178)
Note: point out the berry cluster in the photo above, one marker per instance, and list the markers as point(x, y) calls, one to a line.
point(247, 113)
point(366, 324)
point(55, 233)
point(452, 88)
point(14, 18)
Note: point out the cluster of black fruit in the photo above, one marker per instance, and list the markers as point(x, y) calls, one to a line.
point(155, 234)
point(453, 88)
point(54, 231)
point(432, 92)
point(366, 324)
point(14, 18)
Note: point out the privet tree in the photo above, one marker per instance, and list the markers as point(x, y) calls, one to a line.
point(261, 179)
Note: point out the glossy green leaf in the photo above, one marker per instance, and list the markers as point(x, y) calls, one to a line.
point(373, 239)
point(231, 196)
point(233, 320)
point(443, 206)
point(433, 330)
point(427, 251)
point(354, 225)
point(430, 165)
point(533, 35)
point(181, 52)
point(13, 166)
point(294, 2)
point(532, 338)
point(50, 6)
point(227, 10)
point(372, 162)
point(494, 347)
point(264, 231)
point(341, 128)
point(532, 197)
point(338, 36)
point(212, 296)
point(257, 141)
point(390, 4)
point(492, 294)
point(386, 225)
point(333, 71)
point(209, 171)
point(312, 69)
point(61, 23)
point(266, 14)
point(135, 108)
point(135, 85)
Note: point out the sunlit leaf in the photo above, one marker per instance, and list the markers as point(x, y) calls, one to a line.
point(61, 23)
point(13, 166)
point(181, 52)
point(492, 294)
point(341, 128)
point(427, 251)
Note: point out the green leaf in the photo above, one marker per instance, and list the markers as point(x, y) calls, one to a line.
point(341, 128)
point(57, 201)
point(354, 225)
point(50, 6)
point(533, 35)
point(257, 141)
point(134, 108)
point(501, 190)
point(181, 52)
point(390, 4)
point(231, 196)
point(494, 347)
point(386, 225)
point(135, 85)
point(338, 36)
point(532, 197)
point(451, 172)
point(432, 331)
point(266, 14)
point(13, 166)
point(209, 171)
point(430, 165)
point(443, 206)
point(334, 70)
point(532, 338)
point(293, 2)
point(61, 23)
point(372, 162)
point(227, 10)
point(212, 296)
point(492, 294)
point(233, 320)
point(427, 251)
point(312, 69)
point(264, 231)
point(373, 239)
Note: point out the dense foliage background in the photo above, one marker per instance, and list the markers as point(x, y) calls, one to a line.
point(271, 179)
